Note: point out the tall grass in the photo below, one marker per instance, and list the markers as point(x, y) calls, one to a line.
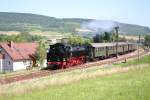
point(55, 86)
point(132, 85)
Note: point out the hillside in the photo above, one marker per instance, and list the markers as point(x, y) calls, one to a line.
point(32, 22)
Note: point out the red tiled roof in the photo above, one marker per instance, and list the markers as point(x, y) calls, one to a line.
point(20, 51)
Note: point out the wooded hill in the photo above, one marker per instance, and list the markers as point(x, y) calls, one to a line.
point(32, 22)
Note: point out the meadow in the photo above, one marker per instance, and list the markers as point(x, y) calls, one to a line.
point(123, 81)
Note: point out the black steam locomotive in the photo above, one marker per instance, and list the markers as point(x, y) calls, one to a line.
point(61, 55)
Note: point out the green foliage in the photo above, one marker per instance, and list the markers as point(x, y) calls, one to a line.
point(23, 37)
point(31, 22)
point(130, 29)
point(107, 37)
point(74, 39)
point(147, 40)
point(40, 53)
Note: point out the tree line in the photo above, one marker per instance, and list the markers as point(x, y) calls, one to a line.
point(22, 37)
point(107, 37)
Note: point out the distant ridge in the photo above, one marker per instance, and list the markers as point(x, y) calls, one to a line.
point(31, 22)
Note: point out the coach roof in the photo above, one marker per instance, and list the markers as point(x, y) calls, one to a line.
point(96, 45)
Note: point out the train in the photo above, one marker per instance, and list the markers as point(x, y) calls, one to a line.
point(64, 55)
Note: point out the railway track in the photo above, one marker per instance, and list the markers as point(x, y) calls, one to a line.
point(42, 73)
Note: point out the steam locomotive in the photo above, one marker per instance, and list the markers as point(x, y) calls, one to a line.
point(63, 55)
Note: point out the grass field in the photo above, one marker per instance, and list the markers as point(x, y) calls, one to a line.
point(133, 84)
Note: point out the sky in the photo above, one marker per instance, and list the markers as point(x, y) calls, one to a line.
point(126, 11)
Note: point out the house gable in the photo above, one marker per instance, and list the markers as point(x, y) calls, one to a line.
point(16, 56)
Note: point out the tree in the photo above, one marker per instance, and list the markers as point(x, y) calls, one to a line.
point(87, 40)
point(147, 40)
point(107, 37)
point(40, 54)
point(74, 39)
point(22, 37)
point(98, 38)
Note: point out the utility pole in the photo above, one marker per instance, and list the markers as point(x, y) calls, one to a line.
point(139, 46)
point(116, 29)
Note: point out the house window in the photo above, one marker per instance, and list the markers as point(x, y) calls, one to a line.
point(25, 62)
point(9, 63)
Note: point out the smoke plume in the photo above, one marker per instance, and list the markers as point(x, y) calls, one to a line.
point(100, 26)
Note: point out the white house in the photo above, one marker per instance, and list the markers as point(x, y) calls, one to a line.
point(16, 56)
